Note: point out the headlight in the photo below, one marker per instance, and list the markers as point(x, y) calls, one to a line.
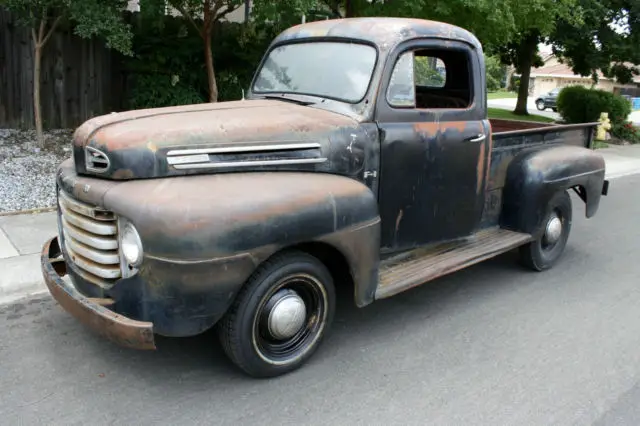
point(131, 245)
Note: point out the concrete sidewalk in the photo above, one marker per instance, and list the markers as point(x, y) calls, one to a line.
point(21, 239)
point(22, 236)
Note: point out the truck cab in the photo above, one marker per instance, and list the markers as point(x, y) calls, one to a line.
point(362, 156)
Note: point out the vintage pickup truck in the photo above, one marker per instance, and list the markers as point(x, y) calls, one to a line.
point(362, 156)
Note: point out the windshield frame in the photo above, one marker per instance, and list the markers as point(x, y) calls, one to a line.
point(308, 40)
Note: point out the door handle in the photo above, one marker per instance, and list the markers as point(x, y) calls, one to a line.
point(478, 138)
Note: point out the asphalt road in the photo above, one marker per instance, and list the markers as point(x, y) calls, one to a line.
point(492, 345)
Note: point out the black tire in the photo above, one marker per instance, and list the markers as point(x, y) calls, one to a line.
point(539, 255)
point(554, 109)
point(245, 330)
point(540, 105)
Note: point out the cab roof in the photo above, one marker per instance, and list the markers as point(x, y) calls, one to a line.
point(382, 32)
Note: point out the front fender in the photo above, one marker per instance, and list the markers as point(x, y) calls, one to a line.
point(210, 218)
point(535, 175)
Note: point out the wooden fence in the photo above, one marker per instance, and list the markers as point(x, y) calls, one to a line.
point(80, 78)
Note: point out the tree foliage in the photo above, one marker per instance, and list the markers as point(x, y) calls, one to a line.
point(88, 17)
point(495, 71)
point(534, 21)
point(607, 39)
point(286, 13)
point(203, 15)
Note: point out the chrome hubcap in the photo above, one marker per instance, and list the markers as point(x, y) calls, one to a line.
point(553, 230)
point(287, 315)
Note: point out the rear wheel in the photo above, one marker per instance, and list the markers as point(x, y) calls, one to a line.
point(280, 316)
point(545, 251)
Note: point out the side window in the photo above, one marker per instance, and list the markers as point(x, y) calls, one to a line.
point(431, 79)
point(401, 91)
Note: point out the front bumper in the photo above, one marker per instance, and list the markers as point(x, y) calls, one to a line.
point(93, 312)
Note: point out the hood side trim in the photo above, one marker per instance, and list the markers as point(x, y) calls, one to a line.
point(243, 149)
point(251, 163)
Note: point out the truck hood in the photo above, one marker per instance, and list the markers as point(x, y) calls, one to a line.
point(209, 138)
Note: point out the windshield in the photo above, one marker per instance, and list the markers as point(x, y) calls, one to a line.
point(327, 69)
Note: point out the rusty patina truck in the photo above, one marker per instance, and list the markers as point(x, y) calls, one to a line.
point(362, 156)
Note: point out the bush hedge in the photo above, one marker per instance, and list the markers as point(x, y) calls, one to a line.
point(577, 104)
point(627, 132)
point(168, 64)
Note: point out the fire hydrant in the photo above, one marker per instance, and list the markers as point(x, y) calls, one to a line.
point(603, 127)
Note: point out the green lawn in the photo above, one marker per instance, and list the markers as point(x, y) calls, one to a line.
point(506, 114)
point(502, 95)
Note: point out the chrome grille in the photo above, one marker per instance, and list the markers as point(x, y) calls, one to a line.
point(90, 239)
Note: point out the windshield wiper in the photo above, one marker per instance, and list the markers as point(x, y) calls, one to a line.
point(284, 98)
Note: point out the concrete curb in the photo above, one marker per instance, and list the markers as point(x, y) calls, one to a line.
point(28, 211)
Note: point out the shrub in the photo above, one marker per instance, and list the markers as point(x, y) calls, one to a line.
point(514, 83)
point(627, 132)
point(577, 104)
point(160, 90)
point(495, 72)
point(168, 65)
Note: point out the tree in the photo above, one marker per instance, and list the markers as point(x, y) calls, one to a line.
point(496, 72)
point(203, 16)
point(90, 18)
point(534, 22)
point(606, 40)
point(489, 20)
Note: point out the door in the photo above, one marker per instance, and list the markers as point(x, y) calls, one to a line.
point(435, 143)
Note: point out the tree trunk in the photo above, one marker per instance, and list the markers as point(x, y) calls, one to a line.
point(211, 75)
point(523, 90)
point(37, 108)
point(348, 8)
point(526, 53)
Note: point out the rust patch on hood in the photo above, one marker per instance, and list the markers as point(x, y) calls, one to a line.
point(203, 124)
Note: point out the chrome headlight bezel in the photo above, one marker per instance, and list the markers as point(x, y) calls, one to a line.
point(130, 247)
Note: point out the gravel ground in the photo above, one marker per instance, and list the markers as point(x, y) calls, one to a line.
point(27, 173)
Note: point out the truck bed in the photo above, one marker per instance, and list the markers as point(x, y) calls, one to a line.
point(513, 136)
point(510, 137)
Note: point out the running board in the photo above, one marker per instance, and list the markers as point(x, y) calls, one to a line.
point(416, 267)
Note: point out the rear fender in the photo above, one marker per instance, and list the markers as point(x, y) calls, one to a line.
point(535, 175)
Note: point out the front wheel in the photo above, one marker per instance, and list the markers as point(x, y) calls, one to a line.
point(280, 316)
point(540, 105)
point(543, 253)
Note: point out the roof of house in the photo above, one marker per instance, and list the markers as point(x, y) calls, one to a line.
point(564, 71)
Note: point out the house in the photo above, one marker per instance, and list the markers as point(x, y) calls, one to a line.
point(556, 74)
